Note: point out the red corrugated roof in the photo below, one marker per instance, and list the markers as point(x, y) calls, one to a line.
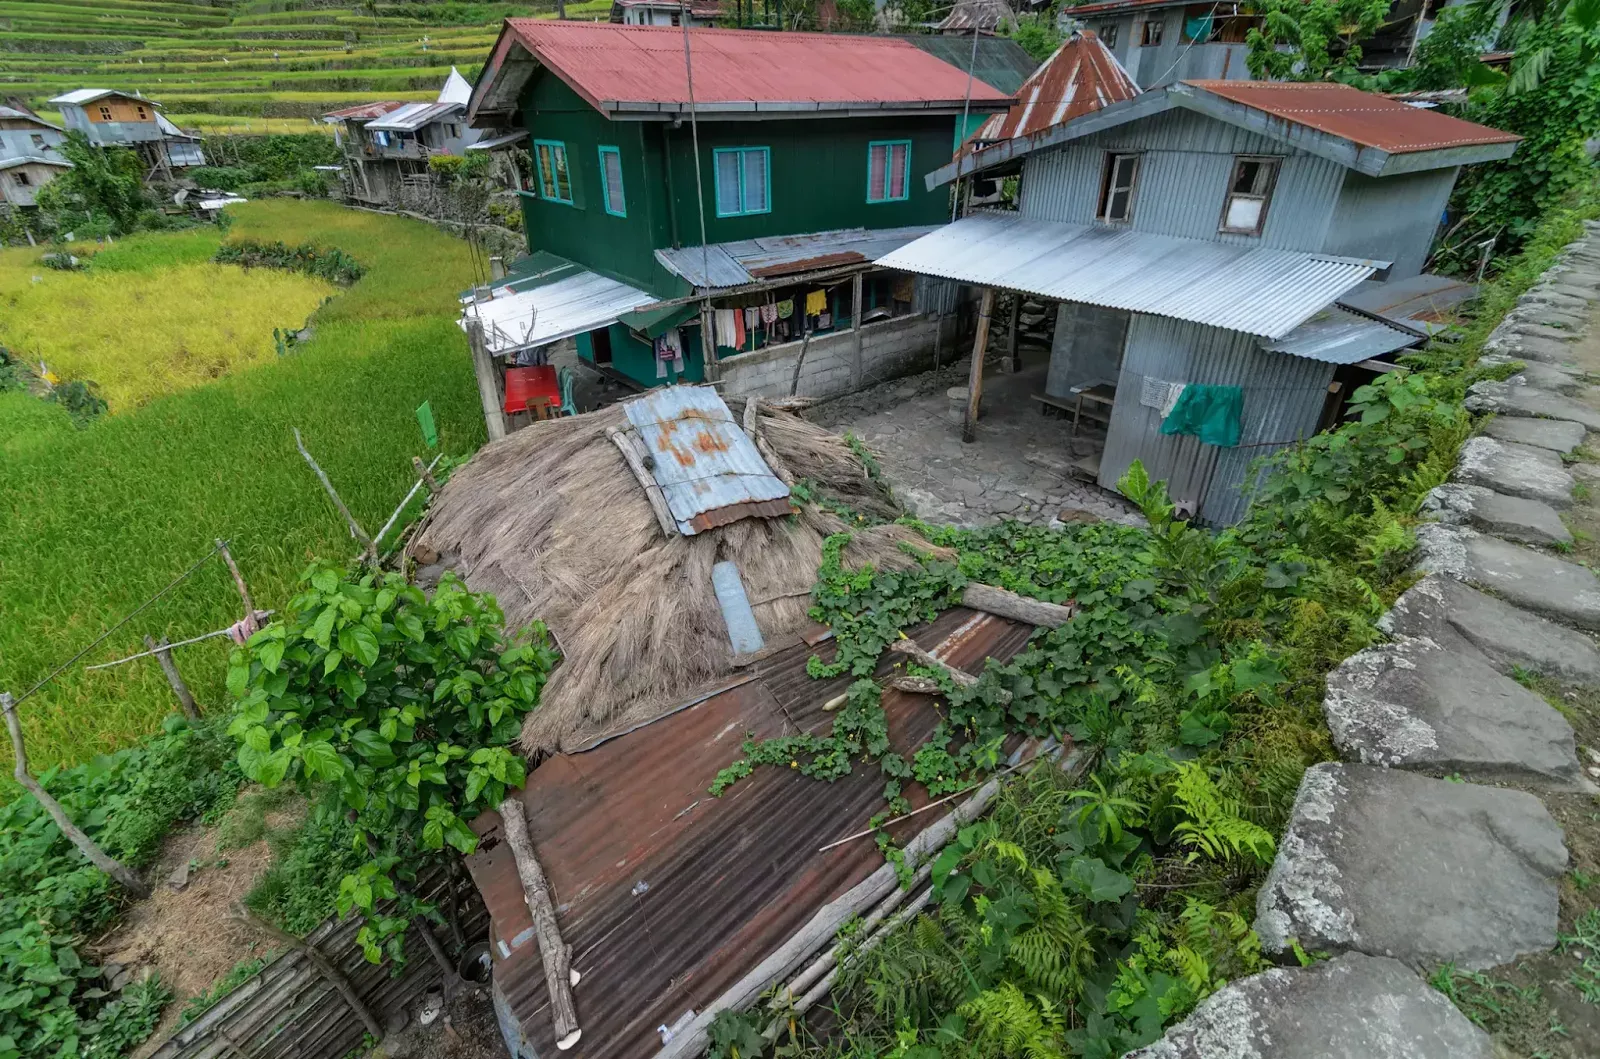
point(608, 63)
point(365, 110)
point(1362, 117)
point(1080, 78)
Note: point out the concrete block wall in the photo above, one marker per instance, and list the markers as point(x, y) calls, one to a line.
point(889, 348)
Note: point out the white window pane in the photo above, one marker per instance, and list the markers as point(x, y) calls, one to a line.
point(877, 169)
point(728, 182)
point(613, 174)
point(1243, 213)
point(755, 181)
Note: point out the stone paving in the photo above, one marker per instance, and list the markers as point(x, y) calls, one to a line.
point(1020, 466)
point(1416, 851)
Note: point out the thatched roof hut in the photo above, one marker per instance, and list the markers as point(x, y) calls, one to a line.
point(553, 521)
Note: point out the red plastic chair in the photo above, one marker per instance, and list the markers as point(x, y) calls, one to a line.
point(536, 387)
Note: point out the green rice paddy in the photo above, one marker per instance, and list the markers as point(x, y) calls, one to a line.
point(100, 519)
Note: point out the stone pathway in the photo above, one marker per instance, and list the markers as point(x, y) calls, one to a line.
point(1417, 850)
point(1020, 466)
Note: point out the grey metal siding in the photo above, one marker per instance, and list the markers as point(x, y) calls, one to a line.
point(1393, 218)
point(1283, 401)
point(1183, 178)
point(1173, 59)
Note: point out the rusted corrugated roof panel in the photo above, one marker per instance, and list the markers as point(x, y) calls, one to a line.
point(1361, 117)
point(1080, 78)
point(704, 463)
point(667, 895)
point(1118, 5)
point(1424, 301)
point(744, 261)
point(987, 16)
point(365, 111)
point(625, 68)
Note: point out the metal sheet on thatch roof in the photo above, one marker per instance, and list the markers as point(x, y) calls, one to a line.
point(551, 520)
point(704, 463)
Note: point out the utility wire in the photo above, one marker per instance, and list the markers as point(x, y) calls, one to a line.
point(63, 667)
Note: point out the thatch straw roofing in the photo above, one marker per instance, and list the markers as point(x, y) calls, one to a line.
point(553, 523)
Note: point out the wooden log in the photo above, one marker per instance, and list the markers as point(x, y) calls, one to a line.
point(855, 364)
point(708, 345)
point(980, 346)
point(825, 924)
point(805, 344)
point(170, 668)
point(553, 952)
point(910, 647)
point(355, 527)
point(86, 845)
point(326, 969)
point(494, 416)
point(647, 481)
point(752, 408)
point(992, 600)
point(915, 685)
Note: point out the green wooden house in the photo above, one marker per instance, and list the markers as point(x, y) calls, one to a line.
point(690, 225)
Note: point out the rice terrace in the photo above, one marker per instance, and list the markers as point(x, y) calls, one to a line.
point(655, 529)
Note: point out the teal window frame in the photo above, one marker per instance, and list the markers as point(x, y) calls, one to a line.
point(553, 192)
point(605, 183)
point(716, 184)
point(905, 182)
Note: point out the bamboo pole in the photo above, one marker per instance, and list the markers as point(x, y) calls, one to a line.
point(980, 346)
point(652, 491)
point(324, 967)
point(355, 527)
point(163, 655)
point(554, 953)
point(233, 568)
point(86, 845)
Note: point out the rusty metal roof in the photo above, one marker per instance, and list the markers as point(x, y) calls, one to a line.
point(365, 111)
point(1425, 302)
point(622, 70)
point(985, 16)
point(1365, 118)
point(666, 895)
point(1118, 5)
point(1079, 78)
point(745, 261)
point(709, 470)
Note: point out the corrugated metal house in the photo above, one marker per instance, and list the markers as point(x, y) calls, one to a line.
point(29, 155)
point(1202, 234)
point(386, 143)
point(811, 149)
point(122, 119)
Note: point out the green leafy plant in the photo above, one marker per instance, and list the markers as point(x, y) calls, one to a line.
point(329, 263)
point(404, 704)
point(1311, 40)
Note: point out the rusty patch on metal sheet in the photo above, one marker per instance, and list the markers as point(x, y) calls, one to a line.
point(807, 264)
point(734, 512)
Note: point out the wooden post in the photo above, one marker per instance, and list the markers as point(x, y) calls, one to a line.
point(494, 416)
point(980, 346)
point(426, 475)
point(708, 345)
point(325, 968)
point(170, 668)
point(238, 578)
point(86, 845)
point(800, 359)
point(553, 952)
point(355, 527)
point(1013, 357)
point(855, 296)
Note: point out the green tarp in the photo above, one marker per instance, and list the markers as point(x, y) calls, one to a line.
point(1211, 413)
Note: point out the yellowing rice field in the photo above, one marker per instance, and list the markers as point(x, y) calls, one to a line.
point(143, 333)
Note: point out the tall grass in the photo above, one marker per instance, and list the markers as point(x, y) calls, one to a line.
point(99, 520)
point(150, 317)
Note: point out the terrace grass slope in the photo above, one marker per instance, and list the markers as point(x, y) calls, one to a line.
point(99, 520)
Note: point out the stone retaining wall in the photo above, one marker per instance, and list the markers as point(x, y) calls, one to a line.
point(1418, 848)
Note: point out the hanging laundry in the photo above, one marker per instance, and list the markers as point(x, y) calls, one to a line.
point(669, 351)
point(769, 313)
point(738, 329)
point(1211, 413)
point(816, 302)
point(786, 308)
point(724, 327)
point(752, 318)
point(824, 319)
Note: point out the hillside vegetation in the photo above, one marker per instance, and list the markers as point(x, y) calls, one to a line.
point(249, 60)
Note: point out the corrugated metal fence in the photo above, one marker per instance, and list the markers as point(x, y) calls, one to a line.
point(1283, 401)
point(288, 1011)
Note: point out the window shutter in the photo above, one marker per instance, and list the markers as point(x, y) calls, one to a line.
point(755, 181)
point(728, 183)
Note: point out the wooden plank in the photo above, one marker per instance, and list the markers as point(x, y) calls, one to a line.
point(980, 346)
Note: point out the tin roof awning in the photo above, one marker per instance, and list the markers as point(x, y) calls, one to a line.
point(551, 300)
point(494, 142)
point(1338, 336)
point(747, 261)
point(1241, 288)
point(1425, 302)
